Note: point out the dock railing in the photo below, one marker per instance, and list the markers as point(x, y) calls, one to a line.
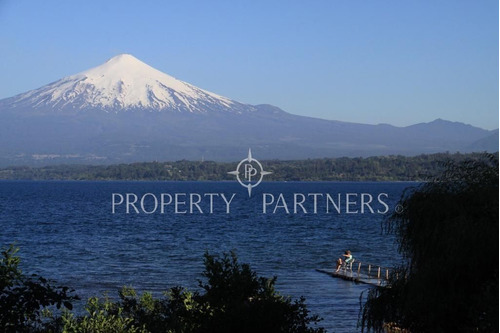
point(365, 271)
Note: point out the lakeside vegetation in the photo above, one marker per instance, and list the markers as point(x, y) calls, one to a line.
point(233, 299)
point(448, 237)
point(379, 168)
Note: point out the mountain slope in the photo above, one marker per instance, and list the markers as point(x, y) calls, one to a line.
point(127, 111)
point(489, 143)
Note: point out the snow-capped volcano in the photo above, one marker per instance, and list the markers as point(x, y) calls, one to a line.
point(124, 82)
point(127, 111)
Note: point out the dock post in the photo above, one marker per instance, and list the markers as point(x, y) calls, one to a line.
point(369, 269)
point(359, 268)
point(378, 273)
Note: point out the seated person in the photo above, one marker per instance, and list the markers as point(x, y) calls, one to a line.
point(347, 259)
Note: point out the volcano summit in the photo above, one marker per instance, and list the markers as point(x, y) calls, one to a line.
point(126, 111)
point(124, 83)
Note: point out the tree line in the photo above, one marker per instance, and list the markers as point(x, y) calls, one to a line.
point(378, 168)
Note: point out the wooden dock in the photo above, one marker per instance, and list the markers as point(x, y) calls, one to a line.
point(361, 273)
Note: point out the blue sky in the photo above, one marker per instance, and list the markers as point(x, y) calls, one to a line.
point(396, 62)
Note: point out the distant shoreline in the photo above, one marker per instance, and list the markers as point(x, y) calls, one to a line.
point(371, 169)
point(204, 181)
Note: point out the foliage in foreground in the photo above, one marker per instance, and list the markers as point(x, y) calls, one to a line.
point(448, 235)
point(27, 301)
point(103, 317)
point(233, 299)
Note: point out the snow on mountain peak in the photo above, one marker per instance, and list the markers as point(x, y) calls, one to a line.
point(124, 82)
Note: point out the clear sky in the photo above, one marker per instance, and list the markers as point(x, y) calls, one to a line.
point(385, 61)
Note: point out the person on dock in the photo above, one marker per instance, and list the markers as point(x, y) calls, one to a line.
point(347, 259)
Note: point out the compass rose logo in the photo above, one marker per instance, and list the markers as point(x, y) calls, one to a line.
point(252, 170)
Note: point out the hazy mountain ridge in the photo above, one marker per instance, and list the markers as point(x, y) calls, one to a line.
point(127, 111)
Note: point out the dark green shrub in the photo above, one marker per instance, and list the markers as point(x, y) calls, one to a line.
point(27, 302)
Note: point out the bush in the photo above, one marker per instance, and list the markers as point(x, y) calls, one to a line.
point(103, 317)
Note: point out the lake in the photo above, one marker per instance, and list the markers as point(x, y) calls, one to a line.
point(81, 235)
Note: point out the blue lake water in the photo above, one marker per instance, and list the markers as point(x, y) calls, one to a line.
point(67, 231)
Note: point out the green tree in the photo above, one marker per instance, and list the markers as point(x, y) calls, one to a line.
point(26, 301)
point(240, 301)
point(448, 235)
